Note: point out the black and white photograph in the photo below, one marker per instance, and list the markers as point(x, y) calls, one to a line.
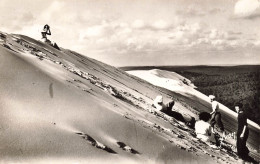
point(129, 81)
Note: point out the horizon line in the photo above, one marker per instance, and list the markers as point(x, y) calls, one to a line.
point(191, 65)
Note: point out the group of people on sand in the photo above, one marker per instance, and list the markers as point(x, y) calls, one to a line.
point(205, 127)
point(214, 118)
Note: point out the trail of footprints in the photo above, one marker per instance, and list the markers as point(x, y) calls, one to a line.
point(126, 148)
point(101, 146)
point(95, 143)
point(124, 96)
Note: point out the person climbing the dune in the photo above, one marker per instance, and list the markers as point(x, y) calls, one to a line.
point(167, 109)
point(216, 116)
point(203, 130)
point(46, 31)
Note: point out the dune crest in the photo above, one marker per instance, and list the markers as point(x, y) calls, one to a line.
point(60, 106)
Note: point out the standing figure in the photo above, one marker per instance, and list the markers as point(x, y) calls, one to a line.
point(216, 116)
point(242, 132)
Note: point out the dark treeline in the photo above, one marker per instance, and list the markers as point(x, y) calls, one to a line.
point(229, 84)
point(231, 88)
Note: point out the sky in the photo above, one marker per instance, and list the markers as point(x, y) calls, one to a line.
point(144, 32)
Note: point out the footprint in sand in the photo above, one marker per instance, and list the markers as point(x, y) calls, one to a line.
point(95, 143)
point(127, 148)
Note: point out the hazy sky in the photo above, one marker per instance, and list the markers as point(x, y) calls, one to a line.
point(144, 32)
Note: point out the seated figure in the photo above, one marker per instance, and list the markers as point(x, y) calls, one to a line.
point(204, 130)
point(167, 109)
point(46, 31)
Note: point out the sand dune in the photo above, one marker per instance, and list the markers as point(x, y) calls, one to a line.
point(61, 107)
point(177, 83)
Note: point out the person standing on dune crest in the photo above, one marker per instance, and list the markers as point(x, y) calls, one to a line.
point(216, 116)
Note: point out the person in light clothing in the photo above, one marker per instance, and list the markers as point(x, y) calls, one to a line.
point(202, 127)
point(167, 109)
point(216, 116)
point(160, 106)
point(203, 130)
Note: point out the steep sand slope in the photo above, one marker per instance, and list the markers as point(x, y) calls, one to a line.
point(177, 83)
point(61, 107)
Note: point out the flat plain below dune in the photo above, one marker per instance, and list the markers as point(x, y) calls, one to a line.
point(62, 107)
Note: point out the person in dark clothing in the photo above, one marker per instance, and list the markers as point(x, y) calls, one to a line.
point(47, 31)
point(242, 132)
point(216, 120)
point(167, 109)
